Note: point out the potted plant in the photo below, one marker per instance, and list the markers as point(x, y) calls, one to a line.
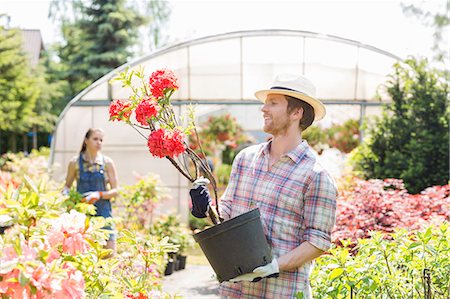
point(149, 108)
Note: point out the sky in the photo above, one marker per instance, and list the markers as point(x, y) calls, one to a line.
point(380, 23)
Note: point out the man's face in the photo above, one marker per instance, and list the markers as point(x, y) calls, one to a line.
point(276, 117)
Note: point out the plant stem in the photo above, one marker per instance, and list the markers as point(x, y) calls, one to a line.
point(174, 163)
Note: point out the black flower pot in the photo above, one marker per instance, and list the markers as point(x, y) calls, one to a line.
point(182, 260)
point(170, 267)
point(236, 246)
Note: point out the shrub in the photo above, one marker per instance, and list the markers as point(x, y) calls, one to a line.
point(51, 253)
point(398, 265)
point(344, 137)
point(411, 140)
point(138, 201)
point(377, 205)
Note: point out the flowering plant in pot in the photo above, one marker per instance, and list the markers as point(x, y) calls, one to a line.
point(233, 247)
point(149, 109)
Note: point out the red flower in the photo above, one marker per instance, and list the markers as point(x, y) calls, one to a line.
point(163, 143)
point(146, 109)
point(120, 110)
point(162, 80)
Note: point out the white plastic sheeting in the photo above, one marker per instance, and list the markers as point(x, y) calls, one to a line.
point(222, 72)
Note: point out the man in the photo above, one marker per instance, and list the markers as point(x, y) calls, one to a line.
point(295, 195)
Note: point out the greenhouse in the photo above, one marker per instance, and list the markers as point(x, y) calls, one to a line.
point(220, 74)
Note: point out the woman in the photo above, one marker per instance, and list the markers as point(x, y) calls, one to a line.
point(94, 172)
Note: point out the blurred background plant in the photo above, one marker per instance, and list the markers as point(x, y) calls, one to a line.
point(136, 203)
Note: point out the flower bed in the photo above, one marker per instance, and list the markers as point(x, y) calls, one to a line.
point(55, 250)
point(385, 205)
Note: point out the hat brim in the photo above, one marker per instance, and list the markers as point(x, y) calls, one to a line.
point(319, 108)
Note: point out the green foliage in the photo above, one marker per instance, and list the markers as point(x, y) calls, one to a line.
point(344, 137)
point(99, 35)
point(223, 174)
point(315, 136)
point(27, 95)
point(399, 265)
point(198, 223)
point(18, 89)
point(410, 141)
point(137, 202)
point(46, 252)
point(438, 19)
point(169, 226)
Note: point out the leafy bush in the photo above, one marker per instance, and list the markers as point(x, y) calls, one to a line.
point(398, 265)
point(51, 253)
point(344, 137)
point(377, 205)
point(137, 202)
point(169, 226)
point(411, 140)
point(315, 135)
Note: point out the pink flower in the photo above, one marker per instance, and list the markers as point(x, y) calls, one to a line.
point(161, 81)
point(120, 110)
point(163, 143)
point(73, 286)
point(69, 231)
point(146, 109)
point(75, 243)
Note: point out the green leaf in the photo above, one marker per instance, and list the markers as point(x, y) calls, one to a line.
point(336, 273)
point(23, 280)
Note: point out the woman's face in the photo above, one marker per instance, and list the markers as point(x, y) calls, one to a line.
point(94, 142)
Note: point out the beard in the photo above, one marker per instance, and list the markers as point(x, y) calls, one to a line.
point(277, 127)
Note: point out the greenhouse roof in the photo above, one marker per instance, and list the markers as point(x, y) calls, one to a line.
point(230, 67)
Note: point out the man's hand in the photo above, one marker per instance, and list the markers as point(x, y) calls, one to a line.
point(267, 271)
point(200, 197)
point(92, 197)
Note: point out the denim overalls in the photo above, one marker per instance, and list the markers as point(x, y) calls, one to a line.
point(95, 181)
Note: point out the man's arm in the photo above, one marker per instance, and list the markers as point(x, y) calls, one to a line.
point(301, 255)
point(319, 217)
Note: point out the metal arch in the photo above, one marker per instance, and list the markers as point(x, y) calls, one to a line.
point(225, 36)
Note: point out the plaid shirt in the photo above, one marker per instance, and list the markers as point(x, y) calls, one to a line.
point(297, 202)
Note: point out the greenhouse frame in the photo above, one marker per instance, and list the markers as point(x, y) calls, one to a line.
point(219, 74)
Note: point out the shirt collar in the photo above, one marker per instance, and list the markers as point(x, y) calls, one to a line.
point(295, 155)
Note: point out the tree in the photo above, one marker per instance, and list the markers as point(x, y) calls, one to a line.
point(438, 20)
point(18, 89)
point(411, 139)
point(98, 37)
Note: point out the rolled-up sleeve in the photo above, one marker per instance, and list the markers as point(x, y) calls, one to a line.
point(320, 211)
point(227, 198)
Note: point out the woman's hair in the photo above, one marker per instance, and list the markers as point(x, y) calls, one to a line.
point(88, 134)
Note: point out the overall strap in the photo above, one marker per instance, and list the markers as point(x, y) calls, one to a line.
point(80, 163)
point(102, 167)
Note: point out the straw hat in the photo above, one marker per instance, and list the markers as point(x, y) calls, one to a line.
point(298, 87)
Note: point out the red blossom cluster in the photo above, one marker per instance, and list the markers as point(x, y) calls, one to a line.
point(385, 205)
point(138, 295)
point(162, 80)
point(163, 143)
point(146, 109)
point(120, 110)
